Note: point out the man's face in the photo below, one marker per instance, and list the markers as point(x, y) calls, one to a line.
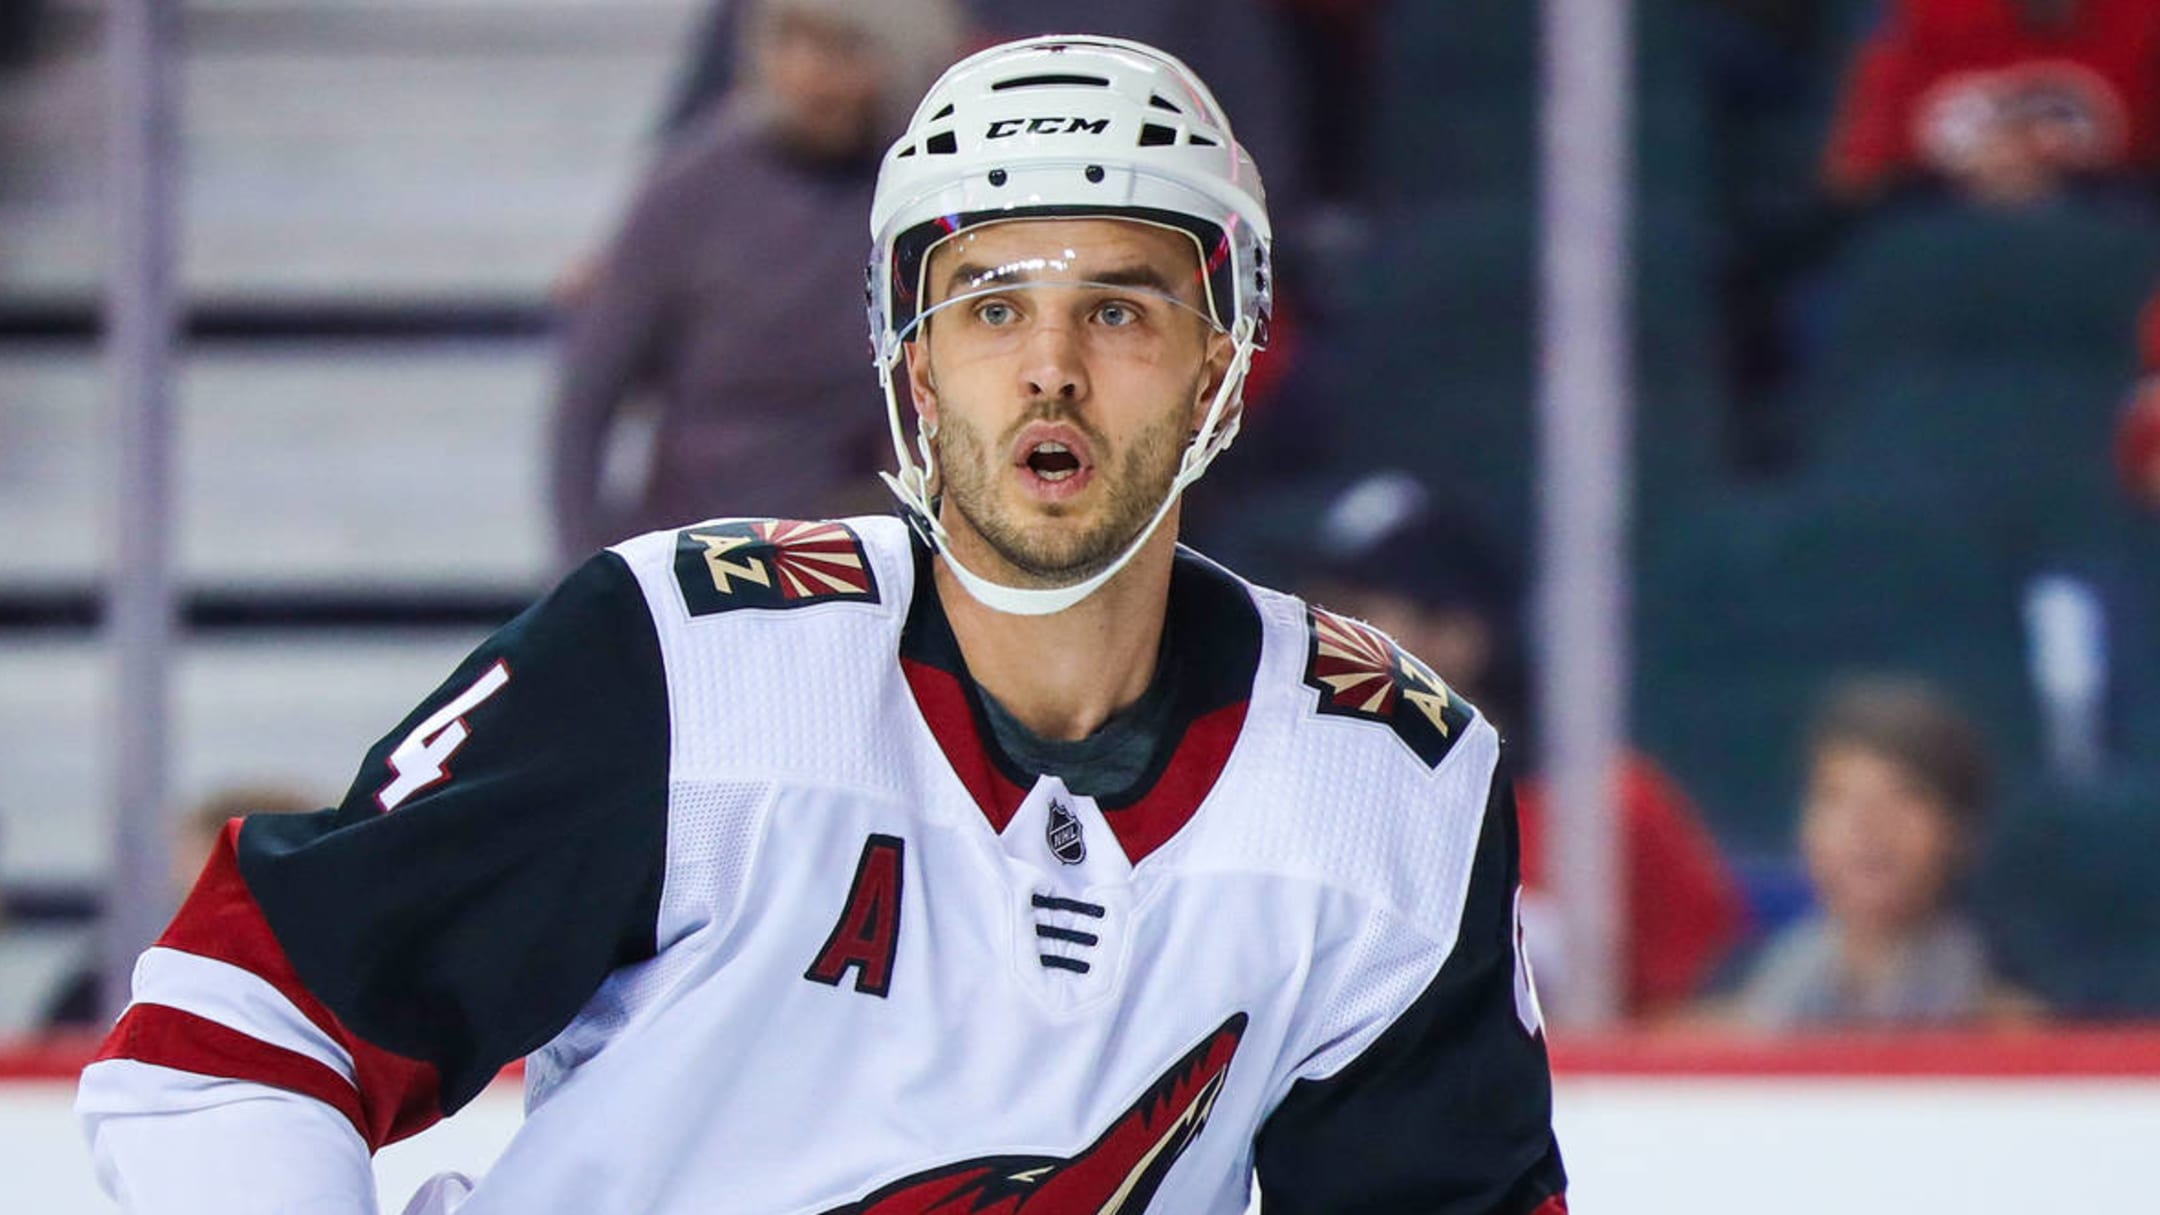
point(1061, 381)
point(824, 81)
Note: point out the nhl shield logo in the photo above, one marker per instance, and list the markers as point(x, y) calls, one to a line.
point(1063, 832)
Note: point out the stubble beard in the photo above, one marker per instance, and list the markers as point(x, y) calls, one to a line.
point(1045, 550)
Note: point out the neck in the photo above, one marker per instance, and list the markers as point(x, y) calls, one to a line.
point(1065, 674)
point(1873, 953)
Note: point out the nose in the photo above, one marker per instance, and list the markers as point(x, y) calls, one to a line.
point(1053, 366)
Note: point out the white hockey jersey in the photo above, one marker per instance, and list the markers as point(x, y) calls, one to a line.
point(716, 837)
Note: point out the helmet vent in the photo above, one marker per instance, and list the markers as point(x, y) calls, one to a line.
point(947, 112)
point(1163, 103)
point(1156, 135)
point(1030, 82)
point(905, 152)
point(1202, 140)
point(941, 144)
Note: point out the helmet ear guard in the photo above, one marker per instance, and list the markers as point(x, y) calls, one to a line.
point(1066, 127)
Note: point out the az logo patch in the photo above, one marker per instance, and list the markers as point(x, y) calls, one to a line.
point(771, 563)
point(1360, 673)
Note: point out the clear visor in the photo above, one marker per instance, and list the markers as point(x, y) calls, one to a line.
point(1001, 282)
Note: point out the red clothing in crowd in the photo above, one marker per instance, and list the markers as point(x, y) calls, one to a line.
point(1936, 72)
point(2148, 335)
point(1684, 909)
point(2137, 446)
point(2137, 442)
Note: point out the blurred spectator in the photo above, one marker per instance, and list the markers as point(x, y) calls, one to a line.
point(195, 835)
point(730, 303)
point(1433, 579)
point(1890, 825)
point(2004, 102)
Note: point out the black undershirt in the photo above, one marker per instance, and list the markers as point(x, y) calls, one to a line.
point(1105, 763)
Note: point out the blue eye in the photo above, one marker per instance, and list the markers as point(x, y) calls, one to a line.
point(996, 313)
point(1117, 315)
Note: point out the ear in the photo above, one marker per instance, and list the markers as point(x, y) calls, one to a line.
point(922, 383)
point(1215, 365)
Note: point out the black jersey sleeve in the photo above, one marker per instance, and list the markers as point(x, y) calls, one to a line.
point(498, 854)
point(1449, 1111)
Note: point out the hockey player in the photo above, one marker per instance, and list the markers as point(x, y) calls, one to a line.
point(1004, 858)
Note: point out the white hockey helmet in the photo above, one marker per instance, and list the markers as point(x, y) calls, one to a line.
point(1067, 126)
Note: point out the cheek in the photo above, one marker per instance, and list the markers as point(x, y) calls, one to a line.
point(1156, 448)
point(1821, 825)
point(1165, 399)
point(790, 68)
point(1835, 837)
point(1931, 853)
point(1818, 845)
point(860, 83)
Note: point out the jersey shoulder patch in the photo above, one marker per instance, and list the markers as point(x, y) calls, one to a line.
point(1360, 673)
point(730, 564)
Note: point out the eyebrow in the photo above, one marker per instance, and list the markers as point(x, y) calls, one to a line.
point(1136, 276)
point(1139, 274)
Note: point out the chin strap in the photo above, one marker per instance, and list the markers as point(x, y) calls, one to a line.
point(911, 485)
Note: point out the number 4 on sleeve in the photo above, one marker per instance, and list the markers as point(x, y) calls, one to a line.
point(422, 760)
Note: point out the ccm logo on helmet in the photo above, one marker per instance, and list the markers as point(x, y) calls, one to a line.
point(1005, 128)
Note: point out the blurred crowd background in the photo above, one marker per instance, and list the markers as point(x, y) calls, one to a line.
point(474, 286)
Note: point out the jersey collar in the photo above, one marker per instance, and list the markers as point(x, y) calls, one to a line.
point(1211, 638)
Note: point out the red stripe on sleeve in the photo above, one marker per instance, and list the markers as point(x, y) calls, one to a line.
point(168, 1037)
point(398, 1096)
point(1555, 1205)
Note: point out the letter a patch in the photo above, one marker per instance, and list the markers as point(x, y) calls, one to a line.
point(867, 934)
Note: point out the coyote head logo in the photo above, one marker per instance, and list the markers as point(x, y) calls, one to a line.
point(1117, 1174)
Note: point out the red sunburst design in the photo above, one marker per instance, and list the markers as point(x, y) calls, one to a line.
point(815, 559)
point(1356, 662)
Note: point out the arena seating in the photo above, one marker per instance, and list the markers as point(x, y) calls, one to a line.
point(2066, 887)
point(375, 201)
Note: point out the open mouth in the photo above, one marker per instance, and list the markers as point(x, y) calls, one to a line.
point(1052, 461)
point(1056, 462)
